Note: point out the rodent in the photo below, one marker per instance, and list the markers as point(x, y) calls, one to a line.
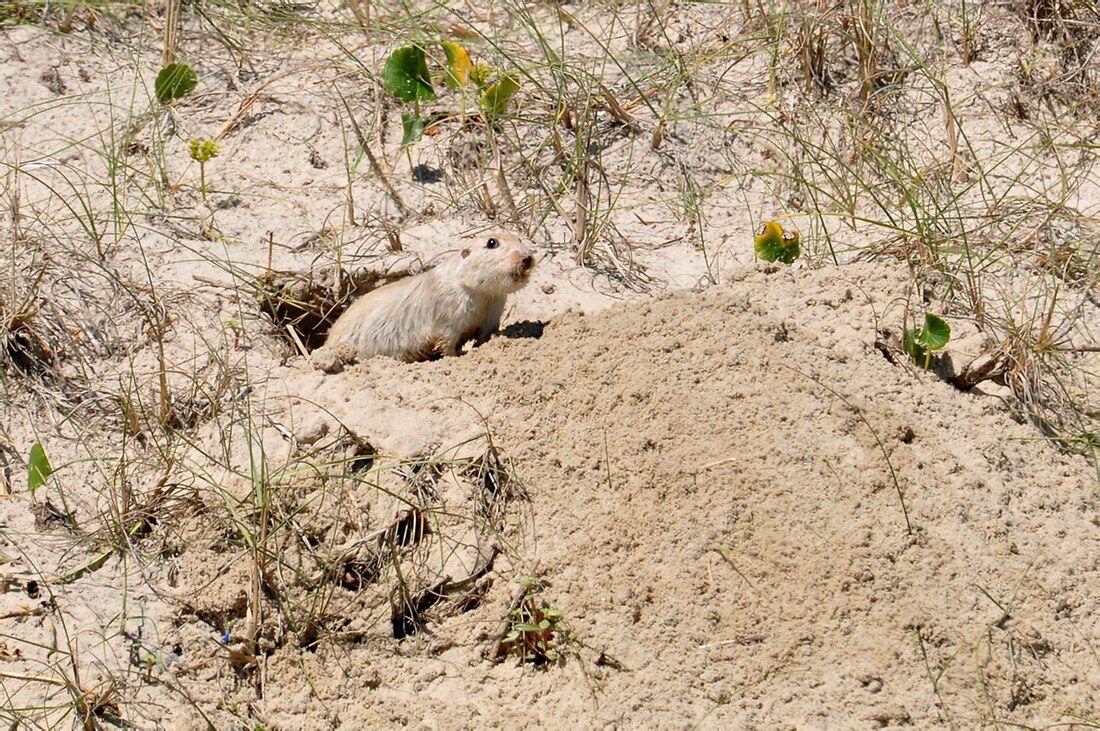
point(438, 311)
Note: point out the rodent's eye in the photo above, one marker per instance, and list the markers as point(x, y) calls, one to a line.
point(492, 244)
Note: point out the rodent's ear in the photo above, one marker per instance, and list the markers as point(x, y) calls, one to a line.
point(465, 252)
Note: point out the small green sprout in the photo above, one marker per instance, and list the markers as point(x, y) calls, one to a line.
point(921, 341)
point(202, 152)
point(534, 630)
point(772, 243)
point(235, 326)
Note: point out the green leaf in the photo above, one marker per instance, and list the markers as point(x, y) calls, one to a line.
point(459, 65)
point(913, 347)
point(405, 75)
point(935, 333)
point(175, 80)
point(772, 243)
point(494, 100)
point(412, 128)
point(921, 341)
point(38, 468)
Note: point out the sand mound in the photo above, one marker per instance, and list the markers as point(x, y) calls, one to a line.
point(714, 502)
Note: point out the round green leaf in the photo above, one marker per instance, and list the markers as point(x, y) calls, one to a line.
point(175, 80)
point(405, 75)
point(921, 341)
point(935, 333)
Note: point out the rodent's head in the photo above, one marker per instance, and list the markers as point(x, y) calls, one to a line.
point(500, 263)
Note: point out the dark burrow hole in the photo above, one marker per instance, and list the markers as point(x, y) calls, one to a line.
point(361, 456)
point(304, 305)
point(531, 329)
point(408, 610)
point(408, 529)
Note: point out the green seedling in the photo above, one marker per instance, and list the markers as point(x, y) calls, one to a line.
point(921, 341)
point(202, 152)
point(534, 631)
point(38, 468)
point(493, 95)
point(772, 243)
point(174, 81)
point(461, 73)
point(235, 326)
point(407, 76)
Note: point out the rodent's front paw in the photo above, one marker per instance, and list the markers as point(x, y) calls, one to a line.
point(346, 352)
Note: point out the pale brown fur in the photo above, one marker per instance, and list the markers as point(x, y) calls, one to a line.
point(436, 312)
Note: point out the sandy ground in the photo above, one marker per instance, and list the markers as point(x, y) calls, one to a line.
point(750, 510)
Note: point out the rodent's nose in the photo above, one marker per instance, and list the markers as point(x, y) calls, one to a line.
point(528, 261)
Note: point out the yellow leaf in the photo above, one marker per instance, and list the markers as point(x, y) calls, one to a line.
point(459, 65)
point(494, 100)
